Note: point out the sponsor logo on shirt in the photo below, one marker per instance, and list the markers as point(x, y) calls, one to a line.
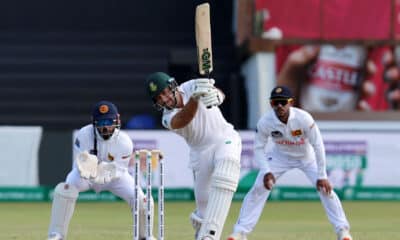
point(297, 132)
point(288, 142)
point(276, 134)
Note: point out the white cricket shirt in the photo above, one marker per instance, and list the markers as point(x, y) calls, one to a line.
point(208, 125)
point(118, 149)
point(298, 139)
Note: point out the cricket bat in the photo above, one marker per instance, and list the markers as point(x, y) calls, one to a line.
point(203, 39)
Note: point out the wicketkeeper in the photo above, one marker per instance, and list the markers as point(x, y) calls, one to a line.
point(191, 110)
point(103, 152)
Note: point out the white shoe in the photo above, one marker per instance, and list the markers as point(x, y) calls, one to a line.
point(344, 234)
point(237, 236)
point(55, 236)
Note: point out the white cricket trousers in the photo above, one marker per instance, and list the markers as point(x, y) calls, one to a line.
point(256, 198)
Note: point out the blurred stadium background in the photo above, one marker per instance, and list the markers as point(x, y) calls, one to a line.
point(57, 58)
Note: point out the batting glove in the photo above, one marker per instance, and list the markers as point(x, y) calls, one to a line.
point(201, 87)
point(214, 98)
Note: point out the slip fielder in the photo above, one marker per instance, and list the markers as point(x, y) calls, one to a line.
point(296, 143)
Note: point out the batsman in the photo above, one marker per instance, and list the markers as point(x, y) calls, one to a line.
point(102, 154)
point(191, 110)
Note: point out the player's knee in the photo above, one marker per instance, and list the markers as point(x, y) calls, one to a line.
point(64, 199)
point(67, 191)
point(143, 204)
point(226, 174)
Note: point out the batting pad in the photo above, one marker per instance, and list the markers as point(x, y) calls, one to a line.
point(63, 208)
point(223, 186)
point(226, 174)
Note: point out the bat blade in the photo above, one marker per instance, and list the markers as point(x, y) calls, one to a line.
point(203, 39)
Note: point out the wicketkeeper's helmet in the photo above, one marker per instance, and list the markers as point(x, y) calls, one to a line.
point(105, 118)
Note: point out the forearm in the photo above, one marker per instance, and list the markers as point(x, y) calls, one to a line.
point(259, 156)
point(321, 161)
point(259, 153)
point(294, 72)
point(319, 149)
point(186, 115)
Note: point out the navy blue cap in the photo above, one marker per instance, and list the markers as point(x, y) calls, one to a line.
point(104, 110)
point(281, 92)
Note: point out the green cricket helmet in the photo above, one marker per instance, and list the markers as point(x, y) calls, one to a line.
point(157, 82)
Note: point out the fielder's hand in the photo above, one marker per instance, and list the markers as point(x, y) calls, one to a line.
point(214, 98)
point(87, 165)
point(324, 186)
point(269, 181)
point(106, 172)
point(201, 87)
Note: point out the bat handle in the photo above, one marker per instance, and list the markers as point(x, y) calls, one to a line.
point(208, 74)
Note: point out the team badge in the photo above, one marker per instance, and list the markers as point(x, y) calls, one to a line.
point(278, 90)
point(153, 87)
point(276, 134)
point(110, 157)
point(297, 132)
point(103, 109)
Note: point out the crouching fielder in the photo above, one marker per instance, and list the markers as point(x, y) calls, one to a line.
point(191, 110)
point(296, 143)
point(101, 163)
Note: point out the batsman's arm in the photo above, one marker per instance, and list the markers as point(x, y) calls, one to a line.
point(185, 115)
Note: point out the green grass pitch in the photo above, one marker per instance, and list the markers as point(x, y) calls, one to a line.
point(286, 220)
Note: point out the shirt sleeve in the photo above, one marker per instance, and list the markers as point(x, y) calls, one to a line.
point(315, 139)
point(81, 142)
point(261, 140)
point(167, 117)
point(124, 155)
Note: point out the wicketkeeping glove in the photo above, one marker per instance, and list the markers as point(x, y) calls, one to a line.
point(213, 98)
point(87, 165)
point(201, 87)
point(106, 172)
